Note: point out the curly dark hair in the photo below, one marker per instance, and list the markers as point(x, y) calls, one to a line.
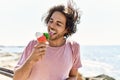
point(72, 17)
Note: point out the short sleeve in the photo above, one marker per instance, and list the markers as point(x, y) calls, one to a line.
point(26, 53)
point(76, 56)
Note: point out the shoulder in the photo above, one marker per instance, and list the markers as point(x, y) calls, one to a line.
point(32, 43)
point(75, 46)
point(73, 43)
point(29, 47)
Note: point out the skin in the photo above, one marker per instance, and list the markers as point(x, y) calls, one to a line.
point(57, 23)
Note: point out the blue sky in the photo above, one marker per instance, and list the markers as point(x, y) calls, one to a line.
point(20, 19)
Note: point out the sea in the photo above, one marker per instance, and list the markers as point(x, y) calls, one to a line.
point(95, 59)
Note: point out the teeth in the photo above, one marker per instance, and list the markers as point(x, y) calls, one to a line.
point(52, 31)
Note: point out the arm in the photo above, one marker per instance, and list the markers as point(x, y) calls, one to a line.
point(73, 74)
point(23, 72)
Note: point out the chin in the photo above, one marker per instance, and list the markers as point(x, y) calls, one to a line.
point(53, 38)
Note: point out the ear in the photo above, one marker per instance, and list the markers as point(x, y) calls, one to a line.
point(66, 32)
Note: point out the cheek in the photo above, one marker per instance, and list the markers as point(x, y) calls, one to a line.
point(62, 32)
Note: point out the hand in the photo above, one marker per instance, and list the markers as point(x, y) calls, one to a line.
point(38, 52)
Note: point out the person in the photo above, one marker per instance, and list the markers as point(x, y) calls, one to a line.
point(58, 60)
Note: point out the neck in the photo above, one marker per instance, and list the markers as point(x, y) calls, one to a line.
point(57, 43)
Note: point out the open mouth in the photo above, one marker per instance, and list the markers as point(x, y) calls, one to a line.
point(52, 32)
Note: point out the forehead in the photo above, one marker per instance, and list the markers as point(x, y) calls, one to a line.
point(58, 16)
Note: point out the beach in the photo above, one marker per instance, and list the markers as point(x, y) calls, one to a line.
point(8, 61)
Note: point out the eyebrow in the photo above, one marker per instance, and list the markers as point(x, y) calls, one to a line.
point(57, 21)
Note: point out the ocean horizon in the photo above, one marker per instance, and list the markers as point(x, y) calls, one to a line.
point(96, 59)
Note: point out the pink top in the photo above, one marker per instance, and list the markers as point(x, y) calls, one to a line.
point(57, 62)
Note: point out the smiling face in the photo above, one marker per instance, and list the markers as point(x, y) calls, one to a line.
point(56, 26)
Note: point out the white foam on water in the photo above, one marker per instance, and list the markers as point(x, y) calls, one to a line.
point(93, 68)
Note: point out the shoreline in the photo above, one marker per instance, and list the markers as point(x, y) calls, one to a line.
point(9, 60)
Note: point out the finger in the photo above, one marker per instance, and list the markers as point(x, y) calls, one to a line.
point(41, 54)
point(42, 49)
point(42, 45)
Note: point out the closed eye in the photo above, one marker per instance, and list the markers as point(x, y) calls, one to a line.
point(59, 23)
point(50, 21)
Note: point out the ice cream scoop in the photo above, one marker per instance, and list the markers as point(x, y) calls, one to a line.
point(42, 37)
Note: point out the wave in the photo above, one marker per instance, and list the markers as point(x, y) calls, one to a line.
point(94, 68)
